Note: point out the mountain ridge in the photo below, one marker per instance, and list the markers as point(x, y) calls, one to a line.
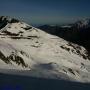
point(78, 32)
point(24, 47)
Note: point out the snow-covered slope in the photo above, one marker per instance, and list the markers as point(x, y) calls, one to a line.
point(30, 51)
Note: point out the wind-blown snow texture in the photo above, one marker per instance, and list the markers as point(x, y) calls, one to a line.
point(26, 50)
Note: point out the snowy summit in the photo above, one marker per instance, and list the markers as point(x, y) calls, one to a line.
point(24, 48)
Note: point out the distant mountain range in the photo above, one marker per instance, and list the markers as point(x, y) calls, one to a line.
point(78, 32)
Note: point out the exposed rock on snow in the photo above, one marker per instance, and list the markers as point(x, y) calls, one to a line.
point(25, 48)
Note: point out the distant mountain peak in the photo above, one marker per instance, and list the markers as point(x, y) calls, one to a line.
point(84, 23)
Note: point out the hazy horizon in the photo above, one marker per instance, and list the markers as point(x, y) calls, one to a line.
point(39, 12)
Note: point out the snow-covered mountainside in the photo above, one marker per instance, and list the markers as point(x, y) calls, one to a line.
point(34, 52)
point(85, 23)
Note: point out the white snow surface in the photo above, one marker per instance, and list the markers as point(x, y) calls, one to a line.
point(44, 55)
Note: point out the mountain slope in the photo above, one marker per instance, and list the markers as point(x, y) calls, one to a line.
point(37, 53)
point(78, 32)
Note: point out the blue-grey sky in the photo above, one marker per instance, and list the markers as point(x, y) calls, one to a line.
point(46, 11)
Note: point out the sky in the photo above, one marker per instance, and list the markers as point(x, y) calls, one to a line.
point(46, 11)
